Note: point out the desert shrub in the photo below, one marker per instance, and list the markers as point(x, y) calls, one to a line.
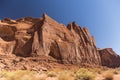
point(112, 71)
point(96, 70)
point(66, 75)
point(41, 76)
point(115, 71)
point(51, 74)
point(19, 75)
point(108, 76)
point(84, 74)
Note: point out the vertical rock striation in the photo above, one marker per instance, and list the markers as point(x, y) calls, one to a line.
point(46, 37)
point(71, 44)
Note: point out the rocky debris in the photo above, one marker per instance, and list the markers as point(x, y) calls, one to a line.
point(33, 39)
point(8, 62)
point(109, 58)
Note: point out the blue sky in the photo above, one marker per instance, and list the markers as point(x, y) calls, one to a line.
point(102, 17)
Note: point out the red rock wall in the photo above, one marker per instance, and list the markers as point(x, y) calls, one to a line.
point(71, 44)
point(44, 36)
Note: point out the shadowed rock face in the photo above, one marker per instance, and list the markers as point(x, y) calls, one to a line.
point(109, 58)
point(46, 37)
point(7, 32)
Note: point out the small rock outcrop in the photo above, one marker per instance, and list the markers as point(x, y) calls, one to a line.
point(71, 44)
point(109, 58)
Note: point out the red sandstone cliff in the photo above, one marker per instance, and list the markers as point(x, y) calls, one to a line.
point(45, 37)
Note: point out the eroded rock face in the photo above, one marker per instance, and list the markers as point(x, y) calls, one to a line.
point(84, 44)
point(45, 37)
point(7, 32)
point(109, 58)
point(6, 48)
point(70, 44)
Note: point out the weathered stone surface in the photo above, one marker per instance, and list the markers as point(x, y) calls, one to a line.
point(7, 32)
point(6, 48)
point(7, 39)
point(70, 44)
point(34, 37)
point(23, 47)
point(109, 58)
point(84, 44)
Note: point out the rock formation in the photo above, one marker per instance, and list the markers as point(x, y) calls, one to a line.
point(31, 37)
point(109, 58)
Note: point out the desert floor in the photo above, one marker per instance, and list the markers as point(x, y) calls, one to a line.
point(59, 74)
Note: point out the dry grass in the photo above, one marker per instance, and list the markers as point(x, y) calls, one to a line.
point(108, 76)
point(66, 75)
point(20, 75)
point(114, 71)
point(95, 70)
point(85, 74)
point(81, 74)
point(51, 74)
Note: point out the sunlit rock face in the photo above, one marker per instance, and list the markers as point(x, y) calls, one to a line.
point(109, 58)
point(71, 44)
point(29, 37)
